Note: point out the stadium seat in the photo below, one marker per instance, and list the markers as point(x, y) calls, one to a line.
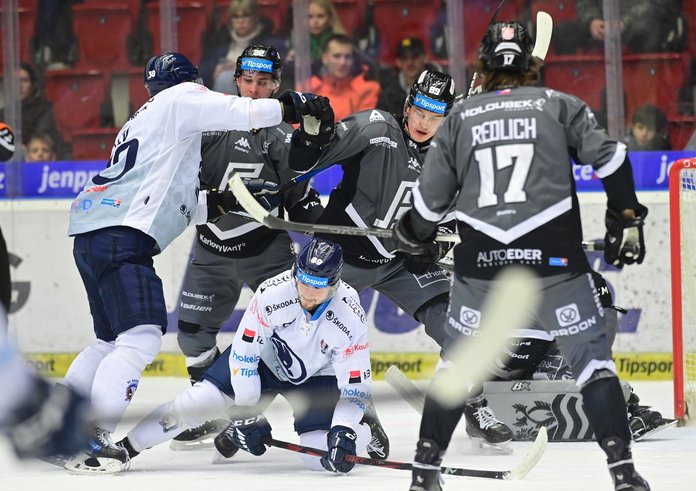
point(396, 19)
point(580, 75)
point(102, 32)
point(27, 25)
point(76, 96)
point(680, 129)
point(477, 15)
point(658, 78)
point(137, 94)
point(689, 7)
point(191, 23)
point(352, 15)
point(133, 6)
point(93, 143)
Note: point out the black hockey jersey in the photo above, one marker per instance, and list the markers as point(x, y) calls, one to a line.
point(380, 167)
point(259, 153)
point(508, 153)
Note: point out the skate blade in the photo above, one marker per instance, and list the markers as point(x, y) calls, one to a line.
point(205, 443)
point(484, 447)
point(219, 459)
point(656, 430)
point(78, 465)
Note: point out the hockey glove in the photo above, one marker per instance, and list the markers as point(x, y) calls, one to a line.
point(624, 242)
point(308, 209)
point(54, 421)
point(247, 434)
point(422, 263)
point(406, 239)
point(221, 202)
point(341, 442)
point(267, 193)
point(297, 104)
point(317, 131)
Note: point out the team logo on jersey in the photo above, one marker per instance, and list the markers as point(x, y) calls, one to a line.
point(242, 145)
point(413, 164)
point(292, 365)
point(375, 116)
point(130, 389)
point(558, 261)
point(470, 317)
point(567, 315)
point(248, 335)
point(383, 141)
point(355, 377)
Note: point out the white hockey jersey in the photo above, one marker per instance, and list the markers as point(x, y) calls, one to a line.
point(151, 181)
point(296, 345)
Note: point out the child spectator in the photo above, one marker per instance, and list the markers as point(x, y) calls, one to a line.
point(40, 148)
point(649, 130)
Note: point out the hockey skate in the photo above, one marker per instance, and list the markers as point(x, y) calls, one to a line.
point(199, 438)
point(426, 467)
point(621, 467)
point(484, 429)
point(644, 422)
point(378, 447)
point(102, 457)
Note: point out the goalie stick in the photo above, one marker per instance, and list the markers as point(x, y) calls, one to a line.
point(261, 215)
point(517, 472)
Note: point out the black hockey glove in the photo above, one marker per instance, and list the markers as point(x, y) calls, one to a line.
point(267, 193)
point(624, 242)
point(247, 434)
point(317, 132)
point(54, 421)
point(340, 442)
point(298, 104)
point(308, 209)
point(422, 263)
point(221, 202)
point(406, 239)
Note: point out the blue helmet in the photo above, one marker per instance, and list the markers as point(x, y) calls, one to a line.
point(168, 70)
point(319, 263)
point(432, 91)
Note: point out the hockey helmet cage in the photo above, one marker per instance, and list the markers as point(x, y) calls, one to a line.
point(319, 263)
point(432, 91)
point(259, 58)
point(168, 70)
point(506, 46)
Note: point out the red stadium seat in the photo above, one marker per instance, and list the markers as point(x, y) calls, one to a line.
point(579, 75)
point(93, 143)
point(137, 94)
point(396, 19)
point(477, 15)
point(191, 23)
point(27, 25)
point(102, 32)
point(76, 96)
point(657, 78)
point(689, 7)
point(133, 6)
point(352, 14)
point(680, 129)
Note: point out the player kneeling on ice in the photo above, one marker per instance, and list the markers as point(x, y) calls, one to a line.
point(304, 336)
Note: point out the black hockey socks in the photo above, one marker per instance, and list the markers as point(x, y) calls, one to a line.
point(426, 467)
point(438, 423)
point(620, 463)
point(606, 408)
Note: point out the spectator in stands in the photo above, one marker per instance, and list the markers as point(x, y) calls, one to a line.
point(40, 148)
point(347, 84)
point(646, 25)
point(648, 130)
point(245, 26)
point(396, 84)
point(37, 112)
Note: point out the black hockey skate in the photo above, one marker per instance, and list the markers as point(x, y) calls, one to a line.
point(102, 457)
point(484, 429)
point(378, 447)
point(643, 421)
point(621, 468)
point(198, 438)
point(426, 467)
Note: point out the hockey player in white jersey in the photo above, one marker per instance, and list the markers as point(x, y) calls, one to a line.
point(304, 334)
point(232, 251)
point(131, 211)
point(506, 155)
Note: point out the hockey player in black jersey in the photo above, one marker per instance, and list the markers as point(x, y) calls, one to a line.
point(382, 156)
point(232, 250)
point(504, 155)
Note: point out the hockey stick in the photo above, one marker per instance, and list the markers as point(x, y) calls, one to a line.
point(405, 388)
point(261, 215)
point(517, 472)
point(544, 31)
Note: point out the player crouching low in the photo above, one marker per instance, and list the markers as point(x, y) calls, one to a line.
point(303, 334)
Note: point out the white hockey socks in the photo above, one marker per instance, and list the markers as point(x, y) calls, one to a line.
point(80, 375)
point(118, 375)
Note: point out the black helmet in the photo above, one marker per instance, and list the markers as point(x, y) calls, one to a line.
point(432, 91)
point(259, 58)
point(319, 263)
point(167, 70)
point(506, 46)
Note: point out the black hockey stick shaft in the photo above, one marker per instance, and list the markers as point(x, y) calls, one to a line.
point(389, 464)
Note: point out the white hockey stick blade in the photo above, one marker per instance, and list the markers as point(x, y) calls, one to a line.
point(405, 388)
point(544, 31)
point(531, 458)
point(261, 215)
point(508, 306)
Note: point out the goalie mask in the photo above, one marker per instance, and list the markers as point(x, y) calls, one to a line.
point(433, 91)
point(259, 58)
point(319, 264)
point(506, 46)
point(168, 70)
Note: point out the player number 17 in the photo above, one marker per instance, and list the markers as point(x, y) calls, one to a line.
point(518, 155)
